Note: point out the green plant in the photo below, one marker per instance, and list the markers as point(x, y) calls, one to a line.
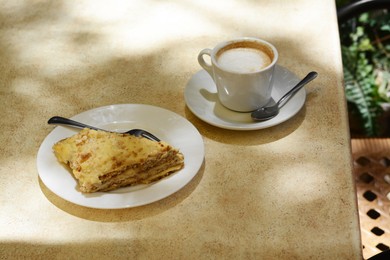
point(365, 49)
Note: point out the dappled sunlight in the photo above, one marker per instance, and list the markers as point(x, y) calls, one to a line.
point(73, 35)
point(302, 177)
point(257, 193)
point(303, 182)
point(100, 46)
point(93, 53)
point(19, 86)
point(77, 34)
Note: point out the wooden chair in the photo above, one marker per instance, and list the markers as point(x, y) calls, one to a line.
point(371, 167)
point(356, 8)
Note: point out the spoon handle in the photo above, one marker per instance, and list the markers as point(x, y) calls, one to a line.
point(57, 120)
point(309, 77)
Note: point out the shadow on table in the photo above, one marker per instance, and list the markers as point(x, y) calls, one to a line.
point(249, 138)
point(128, 214)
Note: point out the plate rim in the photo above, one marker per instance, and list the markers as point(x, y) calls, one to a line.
point(193, 162)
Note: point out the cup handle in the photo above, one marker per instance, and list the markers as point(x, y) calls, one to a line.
point(207, 67)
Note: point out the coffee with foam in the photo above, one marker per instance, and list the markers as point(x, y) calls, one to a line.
point(242, 70)
point(244, 57)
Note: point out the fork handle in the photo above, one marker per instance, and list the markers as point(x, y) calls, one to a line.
point(58, 120)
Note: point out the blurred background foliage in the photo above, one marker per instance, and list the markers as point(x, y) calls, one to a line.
point(365, 46)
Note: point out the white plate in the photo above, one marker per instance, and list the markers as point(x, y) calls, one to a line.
point(201, 98)
point(165, 124)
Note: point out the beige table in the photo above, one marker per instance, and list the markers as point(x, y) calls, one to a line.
point(284, 192)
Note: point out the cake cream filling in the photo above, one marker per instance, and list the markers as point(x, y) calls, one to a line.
point(133, 176)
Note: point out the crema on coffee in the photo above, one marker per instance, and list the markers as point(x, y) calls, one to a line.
point(242, 70)
point(245, 57)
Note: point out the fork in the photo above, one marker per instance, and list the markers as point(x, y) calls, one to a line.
point(57, 120)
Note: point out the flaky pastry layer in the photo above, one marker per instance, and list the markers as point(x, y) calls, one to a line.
point(103, 161)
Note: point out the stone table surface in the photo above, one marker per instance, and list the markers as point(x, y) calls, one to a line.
point(284, 192)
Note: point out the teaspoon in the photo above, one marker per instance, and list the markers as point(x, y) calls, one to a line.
point(268, 112)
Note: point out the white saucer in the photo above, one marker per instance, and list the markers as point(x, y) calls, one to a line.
point(201, 98)
point(166, 125)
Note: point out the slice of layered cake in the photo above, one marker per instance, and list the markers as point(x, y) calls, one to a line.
point(103, 161)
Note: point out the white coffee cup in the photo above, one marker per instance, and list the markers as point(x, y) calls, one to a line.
point(242, 70)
